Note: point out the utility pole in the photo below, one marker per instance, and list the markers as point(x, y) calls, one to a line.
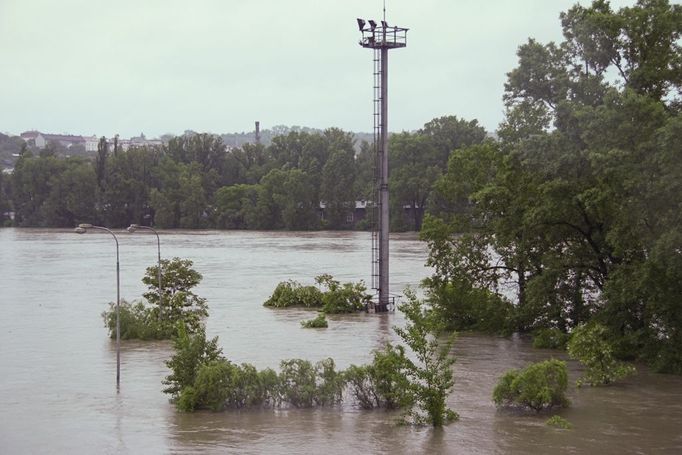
point(381, 38)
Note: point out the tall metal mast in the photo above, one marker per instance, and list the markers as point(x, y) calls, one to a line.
point(381, 38)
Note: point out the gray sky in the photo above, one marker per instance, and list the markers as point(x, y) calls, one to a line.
point(159, 66)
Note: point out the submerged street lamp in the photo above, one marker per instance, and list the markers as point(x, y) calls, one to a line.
point(134, 227)
point(82, 229)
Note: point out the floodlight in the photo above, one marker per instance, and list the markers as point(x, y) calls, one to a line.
point(372, 24)
point(361, 24)
point(384, 24)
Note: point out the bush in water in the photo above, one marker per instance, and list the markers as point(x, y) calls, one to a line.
point(342, 298)
point(538, 386)
point(137, 321)
point(559, 422)
point(337, 298)
point(320, 322)
point(192, 351)
point(290, 293)
point(383, 383)
point(590, 346)
point(159, 320)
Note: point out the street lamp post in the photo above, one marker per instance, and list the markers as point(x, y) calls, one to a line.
point(134, 227)
point(82, 229)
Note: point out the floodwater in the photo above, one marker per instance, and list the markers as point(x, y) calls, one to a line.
point(57, 366)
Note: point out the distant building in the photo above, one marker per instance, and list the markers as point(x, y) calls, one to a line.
point(40, 140)
point(91, 143)
point(67, 140)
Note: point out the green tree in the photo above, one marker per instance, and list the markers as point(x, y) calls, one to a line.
point(178, 302)
point(430, 374)
point(590, 345)
point(338, 177)
point(577, 205)
point(235, 206)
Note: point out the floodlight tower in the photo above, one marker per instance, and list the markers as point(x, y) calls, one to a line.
point(381, 38)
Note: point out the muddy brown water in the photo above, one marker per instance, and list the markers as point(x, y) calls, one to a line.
point(57, 367)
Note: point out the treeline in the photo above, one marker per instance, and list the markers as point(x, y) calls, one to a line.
point(195, 181)
point(574, 215)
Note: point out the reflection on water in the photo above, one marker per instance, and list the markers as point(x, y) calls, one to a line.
point(57, 387)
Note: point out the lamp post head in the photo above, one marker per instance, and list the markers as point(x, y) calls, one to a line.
point(80, 230)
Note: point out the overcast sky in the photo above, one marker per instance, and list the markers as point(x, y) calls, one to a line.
point(164, 66)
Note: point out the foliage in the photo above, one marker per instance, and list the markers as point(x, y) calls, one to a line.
point(590, 345)
point(319, 322)
point(383, 383)
point(330, 383)
point(337, 298)
point(342, 298)
point(416, 161)
point(538, 386)
point(137, 322)
point(461, 306)
point(550, 338)
point(574, 213)
point(559, 422)
point(292, 294)
point(304, 385)
point(298, 382)
point(159, 320)
point(192, 351)
point(178, 303)
point(202, 378)
point(431, 377)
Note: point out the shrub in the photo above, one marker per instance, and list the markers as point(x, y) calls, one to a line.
point(549, 338)
point(192, 351)
point(290, 293)
point(320, 322)
point(211, 388)
point(330, 383)
point(383, 383)
point(338, 298)
point(221, 384)
point(589, 344)
point(303, 385)
point(559, 422)
point(342, 298)
point(538, 386)
point(270, 383)
point(137, 321)
point(297, 380)
point(389, 372)
point(360, 381)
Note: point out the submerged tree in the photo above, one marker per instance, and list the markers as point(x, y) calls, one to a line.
point(178, 302)
point(430, 375)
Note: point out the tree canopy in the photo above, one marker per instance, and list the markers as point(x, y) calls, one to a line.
point(574, 214)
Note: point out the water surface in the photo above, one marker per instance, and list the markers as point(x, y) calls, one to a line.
point(57, 367)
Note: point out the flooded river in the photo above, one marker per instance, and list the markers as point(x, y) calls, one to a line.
point(57, 366)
